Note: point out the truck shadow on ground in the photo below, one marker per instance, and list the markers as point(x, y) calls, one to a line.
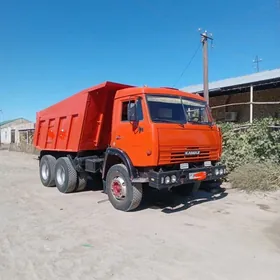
point(169, 201)
point(173, 202)
point(94, 183)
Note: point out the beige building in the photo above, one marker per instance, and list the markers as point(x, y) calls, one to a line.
point(12, 131)
point(243, 99)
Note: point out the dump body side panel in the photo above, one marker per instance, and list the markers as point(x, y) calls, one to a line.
point(59, 126)
point(80, 122)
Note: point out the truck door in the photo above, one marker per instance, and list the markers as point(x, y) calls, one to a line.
point(134, 138)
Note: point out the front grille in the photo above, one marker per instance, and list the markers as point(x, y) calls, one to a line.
point(177, 155)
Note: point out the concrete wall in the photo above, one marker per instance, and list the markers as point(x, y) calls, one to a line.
point(259, 111)
point(5, 135)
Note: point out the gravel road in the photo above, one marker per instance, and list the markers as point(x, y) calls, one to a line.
point(48, 235)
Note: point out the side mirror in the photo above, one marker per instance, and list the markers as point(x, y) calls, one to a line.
point(131, 112)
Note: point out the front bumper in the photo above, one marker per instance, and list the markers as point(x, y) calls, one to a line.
point(159, 180)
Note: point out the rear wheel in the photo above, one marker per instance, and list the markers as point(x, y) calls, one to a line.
point(47, 173)
point(66, 177)
point(122, 194)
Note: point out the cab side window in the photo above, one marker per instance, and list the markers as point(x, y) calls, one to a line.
point(124, 110)
point(132, 103)
point(139, 110)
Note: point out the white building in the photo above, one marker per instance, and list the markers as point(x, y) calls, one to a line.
point(10, 130)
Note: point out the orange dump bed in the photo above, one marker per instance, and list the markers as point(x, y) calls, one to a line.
point(81, 122)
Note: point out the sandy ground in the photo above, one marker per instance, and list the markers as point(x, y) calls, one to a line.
point(47, 235)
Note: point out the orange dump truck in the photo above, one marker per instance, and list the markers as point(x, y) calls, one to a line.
point(160, 137)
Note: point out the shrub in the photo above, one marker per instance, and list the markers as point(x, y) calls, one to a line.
point(256, 144)
point(251, 177)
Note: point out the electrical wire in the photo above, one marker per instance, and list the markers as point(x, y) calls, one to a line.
point(188, 65)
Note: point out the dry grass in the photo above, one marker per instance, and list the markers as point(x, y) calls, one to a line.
point(256, 177)
point(24, 148)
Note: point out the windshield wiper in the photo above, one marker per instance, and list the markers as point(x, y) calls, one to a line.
point(200, 122)
point(166, 120)
point(192, 121)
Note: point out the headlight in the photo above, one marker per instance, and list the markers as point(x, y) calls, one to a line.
point(173, 178)
point(221, 171)
point(217, 172)
point(167, 180)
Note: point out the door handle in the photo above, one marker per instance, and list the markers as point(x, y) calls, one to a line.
point(118, 137)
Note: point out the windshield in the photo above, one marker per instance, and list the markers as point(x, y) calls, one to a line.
point(173, 109)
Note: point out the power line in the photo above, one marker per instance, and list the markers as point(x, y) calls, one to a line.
point(187, 66)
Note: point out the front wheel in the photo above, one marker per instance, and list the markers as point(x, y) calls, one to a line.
point(122, 194)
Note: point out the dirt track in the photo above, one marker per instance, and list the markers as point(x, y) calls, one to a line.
point(47, 235)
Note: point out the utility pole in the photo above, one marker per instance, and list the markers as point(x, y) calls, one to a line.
point(257, 60)
point(204, 40)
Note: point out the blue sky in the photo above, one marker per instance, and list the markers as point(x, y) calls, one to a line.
point(52, 49)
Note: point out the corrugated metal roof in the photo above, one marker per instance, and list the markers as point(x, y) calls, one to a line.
point(249, 79)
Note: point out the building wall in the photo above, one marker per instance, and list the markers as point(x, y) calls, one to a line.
point(261, 111)
point(243, 111)
point(6, 135)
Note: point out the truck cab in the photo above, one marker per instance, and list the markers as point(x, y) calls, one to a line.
point(163, 127)
point(167, 136)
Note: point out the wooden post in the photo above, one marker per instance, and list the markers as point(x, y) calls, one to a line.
point(251, 103)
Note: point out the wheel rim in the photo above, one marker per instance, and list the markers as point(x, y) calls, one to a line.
point(60, 175)
point(118, 188)
point(45, 171)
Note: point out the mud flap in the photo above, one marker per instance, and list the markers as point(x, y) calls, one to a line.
point(104, 186)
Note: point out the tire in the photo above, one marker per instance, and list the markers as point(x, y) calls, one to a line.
point(47, 173)
point(66, 177)
point(118, 174)
point(82, 181)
